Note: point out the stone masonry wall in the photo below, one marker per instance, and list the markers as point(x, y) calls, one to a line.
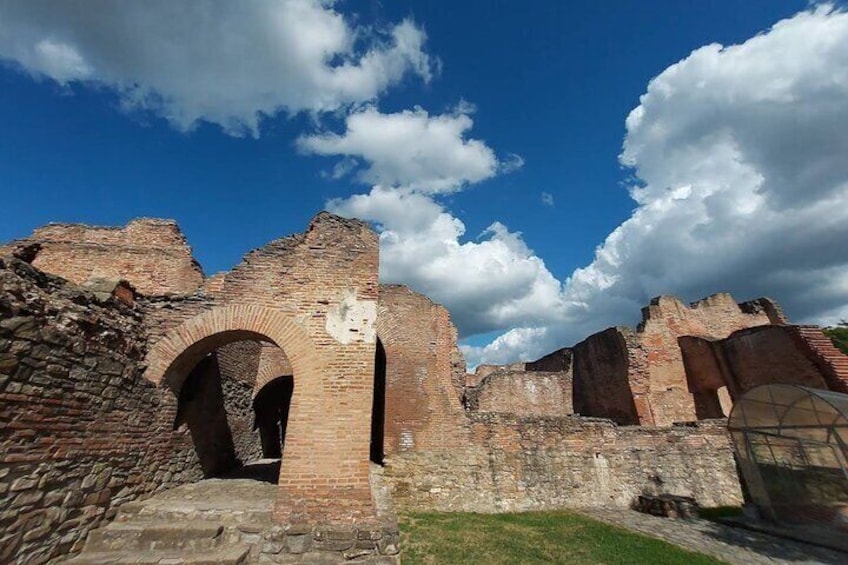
point(80, 431)
point(151, 254)
point(519, 464)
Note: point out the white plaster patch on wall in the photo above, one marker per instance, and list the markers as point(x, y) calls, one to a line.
point(352, 320)
point(530, 387)
point(406, 440)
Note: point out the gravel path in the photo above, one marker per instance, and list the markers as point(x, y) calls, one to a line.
point(733, 545)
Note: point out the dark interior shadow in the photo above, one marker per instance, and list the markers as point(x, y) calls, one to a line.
point(271, 408)
point(200, 406)
point(264, 471)
point(378, 406)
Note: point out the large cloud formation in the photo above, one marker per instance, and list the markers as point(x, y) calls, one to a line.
point(224, 62)
point(410, 149)
point(741, 154)
point(491, 283)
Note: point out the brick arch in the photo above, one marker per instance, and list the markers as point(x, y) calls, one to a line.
point(172, 357)
point(273, 363)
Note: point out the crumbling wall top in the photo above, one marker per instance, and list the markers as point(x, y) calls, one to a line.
point(151, 254)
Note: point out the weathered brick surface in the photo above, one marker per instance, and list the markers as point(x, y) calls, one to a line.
point(315, 296)
point(424, 373)
point(544, 463)
point(524, 393)
point(80, 431)
point(151, 254)
point(651, 358)
point(830, 361)
point(749, 358)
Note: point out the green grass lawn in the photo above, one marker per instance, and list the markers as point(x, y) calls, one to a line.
point(531, 537)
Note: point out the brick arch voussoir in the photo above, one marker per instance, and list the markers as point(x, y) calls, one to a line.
point(264, 323)
point(267, 372)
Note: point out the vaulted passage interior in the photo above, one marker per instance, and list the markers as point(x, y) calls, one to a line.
point(235, 402)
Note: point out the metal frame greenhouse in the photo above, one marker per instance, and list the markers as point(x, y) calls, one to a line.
point(791, 443)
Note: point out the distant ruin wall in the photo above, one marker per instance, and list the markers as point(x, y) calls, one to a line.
point(524, 393)
point(664, 321)
point(749, 358)
point(558, 361)
point(601, 377)
point(640, 377)
point(151, 254)
point(80, 431)
point(519, 464)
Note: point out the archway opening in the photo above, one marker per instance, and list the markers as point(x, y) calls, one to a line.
point(235, 403)
point(378, 406)
point(271, 407)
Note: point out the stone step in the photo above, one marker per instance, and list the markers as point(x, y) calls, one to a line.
point(230, 518)
point(225, 556)
point(154, 535)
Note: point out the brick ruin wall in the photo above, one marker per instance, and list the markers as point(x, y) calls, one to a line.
point(424, 373)
point(537, 388)
point(511, 447)
point(151, 254)
point(510, 457)
point(602, 377)
point(106, 434)
point(756, 356)
point(315, 295)
point(81, 431)
point(648, 363)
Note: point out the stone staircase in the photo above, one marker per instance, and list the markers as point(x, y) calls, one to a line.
point(229, 522)
point(161, 540)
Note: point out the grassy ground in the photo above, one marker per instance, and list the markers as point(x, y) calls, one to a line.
point(532, 537)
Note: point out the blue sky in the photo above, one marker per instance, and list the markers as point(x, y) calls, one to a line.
point(489, 142)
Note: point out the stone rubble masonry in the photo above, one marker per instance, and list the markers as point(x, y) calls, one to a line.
point(536, 463)
point(80, 431)
point(151, 254)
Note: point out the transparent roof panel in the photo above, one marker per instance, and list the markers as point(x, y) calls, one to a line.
point(792, 411)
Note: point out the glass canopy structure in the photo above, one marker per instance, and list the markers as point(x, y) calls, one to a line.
point(791, 443)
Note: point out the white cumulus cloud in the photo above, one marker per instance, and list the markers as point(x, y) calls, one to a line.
point(228, 63)
point(489, 283)
point(411, 149)
point(742, 157)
